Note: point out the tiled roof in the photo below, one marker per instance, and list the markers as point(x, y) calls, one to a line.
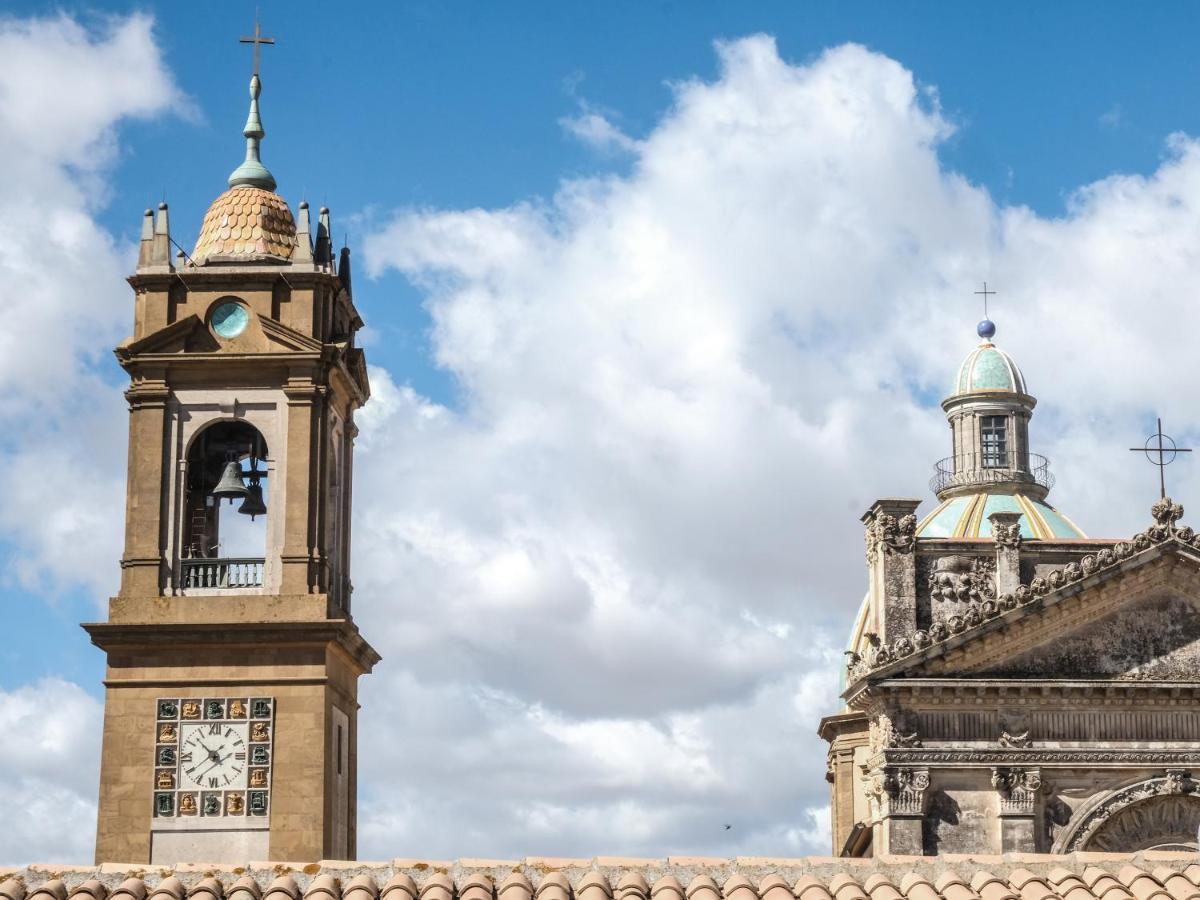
point(1083, 876)
point(246, 223)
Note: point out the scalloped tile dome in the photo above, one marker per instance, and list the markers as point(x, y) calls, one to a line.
point(988, 368)
point(246, 224)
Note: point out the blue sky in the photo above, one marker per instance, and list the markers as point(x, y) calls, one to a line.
point(405, 118)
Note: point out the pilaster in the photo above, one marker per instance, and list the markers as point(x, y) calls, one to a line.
point(891, 527)
point(1006, 531)
point(1019, 790)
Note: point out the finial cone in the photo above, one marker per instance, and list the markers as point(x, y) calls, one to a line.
point(252, 172)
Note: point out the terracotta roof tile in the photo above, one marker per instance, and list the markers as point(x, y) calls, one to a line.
point(437, 886)
point(515, 887)
point(703, 887)
point(554, 886)
point(632, 886)
point(50, 890)
point(952, 887)
point(1176, 884)
point(739, 887)
point(245, 888)
point(667, 888)
point(593, 886)
point(401, 887)
point(918, 887)
point(773, 887)
point(246, 224)
point(12, 889)
point(207, 889)
point(810, 887)
point(1142, 884)
point(881, 888)
point(989, 887)
point(1140, 876)
point(323, 887)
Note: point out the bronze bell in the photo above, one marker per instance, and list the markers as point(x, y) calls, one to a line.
point(253, 504)
point(231, 485)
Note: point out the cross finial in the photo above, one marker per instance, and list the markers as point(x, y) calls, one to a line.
point(257, 40)
point(1164, 448)
point(985, 293)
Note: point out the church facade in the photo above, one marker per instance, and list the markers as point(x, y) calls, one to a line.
point(1011, 684)
point(231, 689)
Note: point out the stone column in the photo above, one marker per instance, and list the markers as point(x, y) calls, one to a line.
point(900, 800)
point(1006, 531)
point(891, 560)
point(1019, 790)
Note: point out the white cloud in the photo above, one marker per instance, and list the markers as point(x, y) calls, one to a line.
point(63, 92)
point(49, 772)
point(611, 589)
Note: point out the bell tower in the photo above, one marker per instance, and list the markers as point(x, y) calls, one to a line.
point(231, 690)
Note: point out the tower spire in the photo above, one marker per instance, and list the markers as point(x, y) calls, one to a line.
point(252, 173)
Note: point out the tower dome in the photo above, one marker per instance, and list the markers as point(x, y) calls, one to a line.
point(991, 468)
point(988, 368)
point(249, 222)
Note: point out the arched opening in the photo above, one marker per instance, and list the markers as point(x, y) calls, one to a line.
point(225, 508)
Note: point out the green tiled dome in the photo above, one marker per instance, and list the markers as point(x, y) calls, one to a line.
point(966, 516)
point(988, 368)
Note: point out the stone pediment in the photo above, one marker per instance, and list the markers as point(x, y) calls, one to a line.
point(191, 335)
point(1129, 612)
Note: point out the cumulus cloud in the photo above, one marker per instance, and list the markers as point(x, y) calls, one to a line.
point(49, 772)
point(612, 586)
point(64, 90)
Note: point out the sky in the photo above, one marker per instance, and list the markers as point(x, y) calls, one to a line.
point(660, 297)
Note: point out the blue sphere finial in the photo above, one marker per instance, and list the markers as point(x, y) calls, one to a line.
point(986, 329)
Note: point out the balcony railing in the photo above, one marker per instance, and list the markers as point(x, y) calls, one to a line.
point(968, 469)
point(222, 573)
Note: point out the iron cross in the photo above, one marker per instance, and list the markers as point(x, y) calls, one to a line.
point(986, 293)
point(258, 40)
point(1163, 446)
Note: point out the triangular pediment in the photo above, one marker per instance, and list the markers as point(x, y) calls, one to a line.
point(1127, 612)
point(191, 335)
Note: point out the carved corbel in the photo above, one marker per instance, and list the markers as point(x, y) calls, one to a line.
point(1018, 790)
point(899, 791)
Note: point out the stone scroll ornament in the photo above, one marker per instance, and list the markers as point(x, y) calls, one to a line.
point(1018, 789)
point(1166, 513)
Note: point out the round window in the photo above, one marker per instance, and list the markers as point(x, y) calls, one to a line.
point(230, 319)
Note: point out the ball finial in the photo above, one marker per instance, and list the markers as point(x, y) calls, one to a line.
point(986, 329)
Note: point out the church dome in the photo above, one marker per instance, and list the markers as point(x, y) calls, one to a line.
point(988, 368)
point(246, 224)
point(966, 516)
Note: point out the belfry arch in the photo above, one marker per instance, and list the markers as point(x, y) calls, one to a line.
point(226, 474)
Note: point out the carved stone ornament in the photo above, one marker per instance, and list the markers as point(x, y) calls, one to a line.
point(957, 578)
point(1015, 741)
point(887, 534)
point(1018, 790)
point(899, 792)
point(1157, 813)
point(1008, 535)
point(893, 728)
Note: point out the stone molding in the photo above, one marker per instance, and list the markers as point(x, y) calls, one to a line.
point(1044, 757)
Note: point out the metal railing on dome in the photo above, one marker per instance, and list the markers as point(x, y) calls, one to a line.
point(991, 467)
point(222, 573)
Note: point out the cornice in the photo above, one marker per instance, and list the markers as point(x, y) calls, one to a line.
point(1046, 757)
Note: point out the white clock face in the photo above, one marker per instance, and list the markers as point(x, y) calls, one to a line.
point(213, 756)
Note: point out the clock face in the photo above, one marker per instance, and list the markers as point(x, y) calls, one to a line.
point(230, 319)
point(214, 756)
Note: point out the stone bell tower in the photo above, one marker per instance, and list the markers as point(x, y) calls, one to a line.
point(231, 692)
